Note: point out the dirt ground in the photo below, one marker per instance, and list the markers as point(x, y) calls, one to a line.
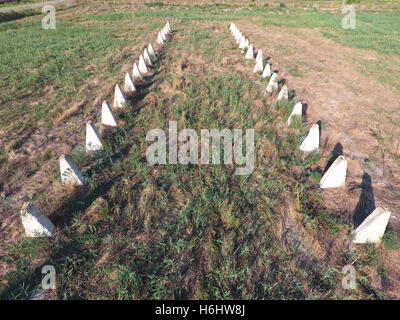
point(330, 82)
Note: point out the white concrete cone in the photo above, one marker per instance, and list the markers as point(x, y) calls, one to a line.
point(129, 86)
point(169, 27)
point(160, 39)
point(93, 138)
point(166, 30)
point(151, 51)
point(242, 43)
point(237, 35)
point(35, 224)
point(259, 66)
point(146, 57)
point(273, 83)
point(142, 65)
point(297, 111)
point(311, 142)
point(119, 98)
point(249, 53)
point(267, 71)
point(284, 93)
point(136, 73)
point(163, 35)
point(231, 26)
point(335, 177)
point(373, 227)
point(107, 116)
point(69, 172)
point(259, 55)
point(247, 43)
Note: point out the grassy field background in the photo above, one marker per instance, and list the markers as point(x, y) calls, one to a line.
point(153, 232)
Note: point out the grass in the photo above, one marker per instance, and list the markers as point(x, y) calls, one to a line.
point(181, 223)
point(146, 232)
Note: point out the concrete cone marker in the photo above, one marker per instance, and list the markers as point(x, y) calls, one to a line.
point(151, 51)
point(35, 224)
point(273, 83)
point(249, 53)
point(259, 55)
point(169, 27)
point(93, 138)
point(247, 43)
point(267, 71)
point(69, 172)
point(142, 65)
point(335, 177)
point(373, 227)
point(136, 73)
point(160, 39)
point(284, 93)
point(165, 31)
point(239, 37)
point(146, 57)
point(129, 86)
point(107, 116)
point(242, 43)
point(297, 111)
point(119, 98)
point(259, 66)
point(163, 35)
point(311, 142)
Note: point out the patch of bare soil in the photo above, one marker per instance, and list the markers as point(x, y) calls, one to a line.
point(345, 100)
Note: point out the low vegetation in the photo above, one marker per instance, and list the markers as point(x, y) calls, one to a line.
point(139, 231)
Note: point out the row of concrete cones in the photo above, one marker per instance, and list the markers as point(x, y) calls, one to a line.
point(373, 227)
point(36, 224)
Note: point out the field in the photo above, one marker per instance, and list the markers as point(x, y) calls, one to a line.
point(141, 231)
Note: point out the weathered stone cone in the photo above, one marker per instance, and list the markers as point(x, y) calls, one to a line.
point(69, 172)
point(373, 227)
point(119, 99)
point(93, 138)
point(311, 142)
point(297, 111)
point(146, 57)
point(259, 66)
point(284, 93)
point(35, 224)
point(249, 53)
point(136, 73)
point(160, 39)
point(129, 86)
point(267, 71)
point(335, 177)
point(273, 83)
point(151, 51)
point(107, 116)
point(142, 65)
